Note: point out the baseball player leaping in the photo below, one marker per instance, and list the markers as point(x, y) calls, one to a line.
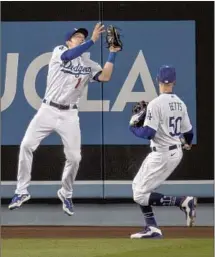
point(164, 121)
point(70, 70)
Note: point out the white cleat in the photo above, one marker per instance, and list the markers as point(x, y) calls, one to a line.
point(148, 232)
point(18, 200)
point(188, 206)
point(67, 204)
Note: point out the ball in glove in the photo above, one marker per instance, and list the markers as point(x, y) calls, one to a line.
point(113, 37)
point(138, 114)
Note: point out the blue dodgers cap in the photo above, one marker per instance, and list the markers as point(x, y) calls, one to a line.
point(166, 74)
point(71, 33)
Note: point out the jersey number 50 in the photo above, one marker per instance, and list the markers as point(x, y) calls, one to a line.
point(175, 124)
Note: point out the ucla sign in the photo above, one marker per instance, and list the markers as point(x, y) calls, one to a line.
point(105, 109)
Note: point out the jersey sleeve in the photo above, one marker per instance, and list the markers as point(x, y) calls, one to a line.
point(57, 52)
point(152, 116)
point(185, 123)
point(95, 68)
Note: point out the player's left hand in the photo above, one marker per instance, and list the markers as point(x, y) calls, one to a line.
point(184, 144)
point(186, 147)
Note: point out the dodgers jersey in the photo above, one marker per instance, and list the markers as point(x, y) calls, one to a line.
point(167, 114)
point(66, 81)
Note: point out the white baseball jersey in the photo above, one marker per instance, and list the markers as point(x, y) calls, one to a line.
point(167, 114)
point(66, 81)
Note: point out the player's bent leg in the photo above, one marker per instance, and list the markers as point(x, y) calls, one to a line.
point(157, 199)
point(25, 164)
point(38, 129)
point(151, 230)
point(186, 204)
point(142, 200)
point(24, 174)
point(70, 172)
point(67, 204)
point(140, 197)
point(151, 175)
point(71, 138)
point(68, 178)
point(73, 158)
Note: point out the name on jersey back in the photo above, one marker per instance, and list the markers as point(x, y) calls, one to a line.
point(175, 106)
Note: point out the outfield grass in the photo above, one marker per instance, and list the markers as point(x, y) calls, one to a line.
point(107, 248)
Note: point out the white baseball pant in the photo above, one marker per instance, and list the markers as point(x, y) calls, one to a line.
point(47, 120)
point(155, 169)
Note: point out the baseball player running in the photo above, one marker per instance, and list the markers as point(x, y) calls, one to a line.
point(70, 70)
point(163, 121)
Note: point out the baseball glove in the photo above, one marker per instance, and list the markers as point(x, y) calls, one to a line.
point(113, 37)
point(138, 114)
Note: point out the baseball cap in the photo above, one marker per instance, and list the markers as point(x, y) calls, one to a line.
point(166, 74)
point(71, 33)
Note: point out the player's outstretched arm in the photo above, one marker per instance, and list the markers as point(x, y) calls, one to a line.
point(73, 53)
point(108, 67)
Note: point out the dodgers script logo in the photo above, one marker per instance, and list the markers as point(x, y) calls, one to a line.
point(77, 70)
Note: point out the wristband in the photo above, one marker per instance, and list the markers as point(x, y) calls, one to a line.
point(111, 57)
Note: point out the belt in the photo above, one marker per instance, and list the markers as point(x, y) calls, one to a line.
point(60, 106)
point(172, 147)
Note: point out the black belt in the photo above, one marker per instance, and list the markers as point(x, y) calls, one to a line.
point(60, 106)
point(172, 147)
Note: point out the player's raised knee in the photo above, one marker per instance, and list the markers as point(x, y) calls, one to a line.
point(141, 198)
point(137, 198)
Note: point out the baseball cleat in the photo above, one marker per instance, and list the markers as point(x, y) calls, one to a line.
point(188, 206)
point(18, 200)
point(148, 232)
point(67, 204)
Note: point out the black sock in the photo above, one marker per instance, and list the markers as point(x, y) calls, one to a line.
point(162, 200)
point(148, 215)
